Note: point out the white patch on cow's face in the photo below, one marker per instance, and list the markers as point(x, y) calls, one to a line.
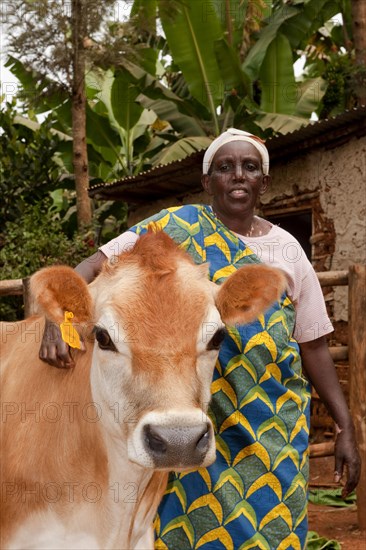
point(111, 371)
point(102, 290)
point(206, 354)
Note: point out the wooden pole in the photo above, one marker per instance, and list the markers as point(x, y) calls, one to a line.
point(27, 298)
point(357, 374)
point(321, 449)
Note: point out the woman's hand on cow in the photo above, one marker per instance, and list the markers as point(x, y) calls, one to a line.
point(347, 458)
point(54, 350)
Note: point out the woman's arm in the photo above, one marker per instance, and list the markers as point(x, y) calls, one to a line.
point(319, 368)
point(54, 350)
point(91, 267)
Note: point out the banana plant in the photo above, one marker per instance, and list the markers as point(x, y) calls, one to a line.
point(115, 121)
point(222, 88)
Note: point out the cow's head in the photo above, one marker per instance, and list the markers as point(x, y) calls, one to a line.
point(158, 323)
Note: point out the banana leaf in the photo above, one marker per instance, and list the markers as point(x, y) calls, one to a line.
point(182, 148)
point(233, 77)
point(277, 78)
point(191, 31)
point(256, 55)
point(124, 92)
point(236, 12)
point(310, 92)
point(280, 123)
point(42, 93)
point(312, 15)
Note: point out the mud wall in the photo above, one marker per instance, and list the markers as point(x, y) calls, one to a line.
point(333, 184)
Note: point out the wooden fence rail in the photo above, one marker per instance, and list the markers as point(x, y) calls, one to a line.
point(333, 278)
point(355, 352)
point(11, 286)
point(18, 287)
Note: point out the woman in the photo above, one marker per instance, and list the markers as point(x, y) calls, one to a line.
point(255, 494)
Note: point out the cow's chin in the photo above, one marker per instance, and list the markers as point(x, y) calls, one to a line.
point(173, 440)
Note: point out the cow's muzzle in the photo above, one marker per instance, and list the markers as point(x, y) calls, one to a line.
point(173, 441)
point(183, 445)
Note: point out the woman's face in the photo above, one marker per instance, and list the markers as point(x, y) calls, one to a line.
point(236, 179)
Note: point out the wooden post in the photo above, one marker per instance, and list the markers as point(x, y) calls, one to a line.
point(357, 374)
point(27, 298)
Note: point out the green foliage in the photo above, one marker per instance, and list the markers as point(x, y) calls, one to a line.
point(193, 50)
point(332, 497)
point(256, 93)
point(277, 67)
point(340, 73)
point(36, 239)
point(118, 126)
point(38, 208)
point(28, 170)
point(254, 59)
point(317, 542)
point(330, 52)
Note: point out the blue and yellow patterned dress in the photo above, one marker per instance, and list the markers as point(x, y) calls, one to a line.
point(255, 494)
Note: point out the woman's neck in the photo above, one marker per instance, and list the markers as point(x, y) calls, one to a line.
point(241, 223)
point(249, 226)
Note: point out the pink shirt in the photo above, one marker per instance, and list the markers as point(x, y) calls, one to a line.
point(278, 249)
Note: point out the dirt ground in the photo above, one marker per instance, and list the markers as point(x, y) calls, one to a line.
point(332, 522)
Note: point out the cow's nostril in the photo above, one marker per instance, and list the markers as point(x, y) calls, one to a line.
point(154, 441)
point(203, 441)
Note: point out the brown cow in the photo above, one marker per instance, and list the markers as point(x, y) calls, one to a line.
point(85, 452)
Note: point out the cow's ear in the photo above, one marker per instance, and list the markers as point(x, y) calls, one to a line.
point(58, 289)
point(249, 292)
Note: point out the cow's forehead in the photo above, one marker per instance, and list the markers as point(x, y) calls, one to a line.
point(171, 304)
point(169, 298)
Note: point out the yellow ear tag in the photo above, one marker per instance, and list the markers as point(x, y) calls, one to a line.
point(68, 332)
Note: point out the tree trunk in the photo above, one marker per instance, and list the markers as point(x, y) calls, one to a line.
point(80, 155)
point(358, 8)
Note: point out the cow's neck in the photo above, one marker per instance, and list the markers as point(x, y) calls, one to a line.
point(132, 498)
point(124, 485)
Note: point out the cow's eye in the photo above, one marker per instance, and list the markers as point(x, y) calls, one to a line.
point(103, 339)
point(216, 339)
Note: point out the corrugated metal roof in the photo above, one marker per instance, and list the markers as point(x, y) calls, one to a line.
point(328, 133)
point(175, 178)
point(184, 176)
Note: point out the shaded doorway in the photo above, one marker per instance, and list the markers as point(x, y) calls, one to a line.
point(299, 224)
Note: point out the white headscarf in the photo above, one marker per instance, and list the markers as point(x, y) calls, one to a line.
point(232, 134)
